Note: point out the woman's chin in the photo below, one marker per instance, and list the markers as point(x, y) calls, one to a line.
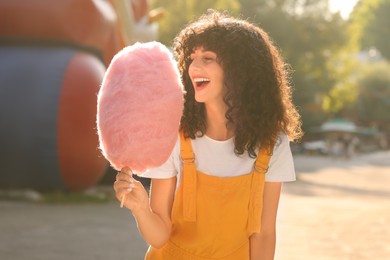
point(199, 99)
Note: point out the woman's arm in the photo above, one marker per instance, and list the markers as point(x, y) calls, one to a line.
point(262, 245)
point(155, 224)
point(154, 216)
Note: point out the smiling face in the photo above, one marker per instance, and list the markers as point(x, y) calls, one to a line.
point(207, 76)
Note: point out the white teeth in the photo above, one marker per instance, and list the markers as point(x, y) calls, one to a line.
point(201, 80)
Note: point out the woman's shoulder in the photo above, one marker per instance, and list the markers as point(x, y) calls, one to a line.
point(282, 139)
point(281, 166)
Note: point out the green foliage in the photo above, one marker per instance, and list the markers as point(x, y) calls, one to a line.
point(374, 99)
point(178, 13)
point(377, 32)
point(344, 93)
point(309, 36)
point(311, 39)
point(370, 24)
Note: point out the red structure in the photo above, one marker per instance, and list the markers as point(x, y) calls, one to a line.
point(53, 58)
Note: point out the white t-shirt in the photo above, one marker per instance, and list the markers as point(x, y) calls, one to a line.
point(217, 158)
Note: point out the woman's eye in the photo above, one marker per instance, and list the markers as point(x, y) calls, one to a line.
point(207, 59)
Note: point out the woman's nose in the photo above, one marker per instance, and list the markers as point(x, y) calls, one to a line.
point(194, 65)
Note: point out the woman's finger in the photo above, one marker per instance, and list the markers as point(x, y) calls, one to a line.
point(127, 193)
point(119, 185)
point(123, 200)
point(122, 176)
point(127, 170)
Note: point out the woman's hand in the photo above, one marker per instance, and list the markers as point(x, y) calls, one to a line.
point(154, 218)
point(130, 191)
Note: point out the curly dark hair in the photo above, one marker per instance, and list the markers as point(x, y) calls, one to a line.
point(258, 93)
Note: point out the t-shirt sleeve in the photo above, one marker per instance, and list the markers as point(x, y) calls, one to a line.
point(281, 166)
point(168, 169)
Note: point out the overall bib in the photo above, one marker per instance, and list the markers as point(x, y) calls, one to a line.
point(213, 217)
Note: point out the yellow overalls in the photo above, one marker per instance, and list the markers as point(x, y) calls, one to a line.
point(213, 217)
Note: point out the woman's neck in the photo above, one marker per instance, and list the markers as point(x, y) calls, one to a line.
point(217, 123)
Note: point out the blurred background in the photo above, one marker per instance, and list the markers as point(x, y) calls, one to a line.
point(53, 56)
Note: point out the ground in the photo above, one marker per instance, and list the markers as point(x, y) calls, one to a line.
point(337, 209)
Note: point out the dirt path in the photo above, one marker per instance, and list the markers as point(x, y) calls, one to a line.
point(30, 231)
point(336, 210)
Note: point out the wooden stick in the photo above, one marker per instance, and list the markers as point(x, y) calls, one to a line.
point(123, 200)
point(130, 172)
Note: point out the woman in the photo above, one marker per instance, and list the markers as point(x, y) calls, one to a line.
point(217, 195)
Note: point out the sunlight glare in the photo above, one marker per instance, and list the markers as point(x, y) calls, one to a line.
point(344, 7)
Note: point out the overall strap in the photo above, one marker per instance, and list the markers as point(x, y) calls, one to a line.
point(257, 187)
point(188, 179)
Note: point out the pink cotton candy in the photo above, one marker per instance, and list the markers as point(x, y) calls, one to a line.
point(140, 104)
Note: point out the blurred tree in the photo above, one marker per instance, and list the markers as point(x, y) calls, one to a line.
point(311, 38)
point(180, 12)
point(374, 97)
point(341, 99)
point(370, 21)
